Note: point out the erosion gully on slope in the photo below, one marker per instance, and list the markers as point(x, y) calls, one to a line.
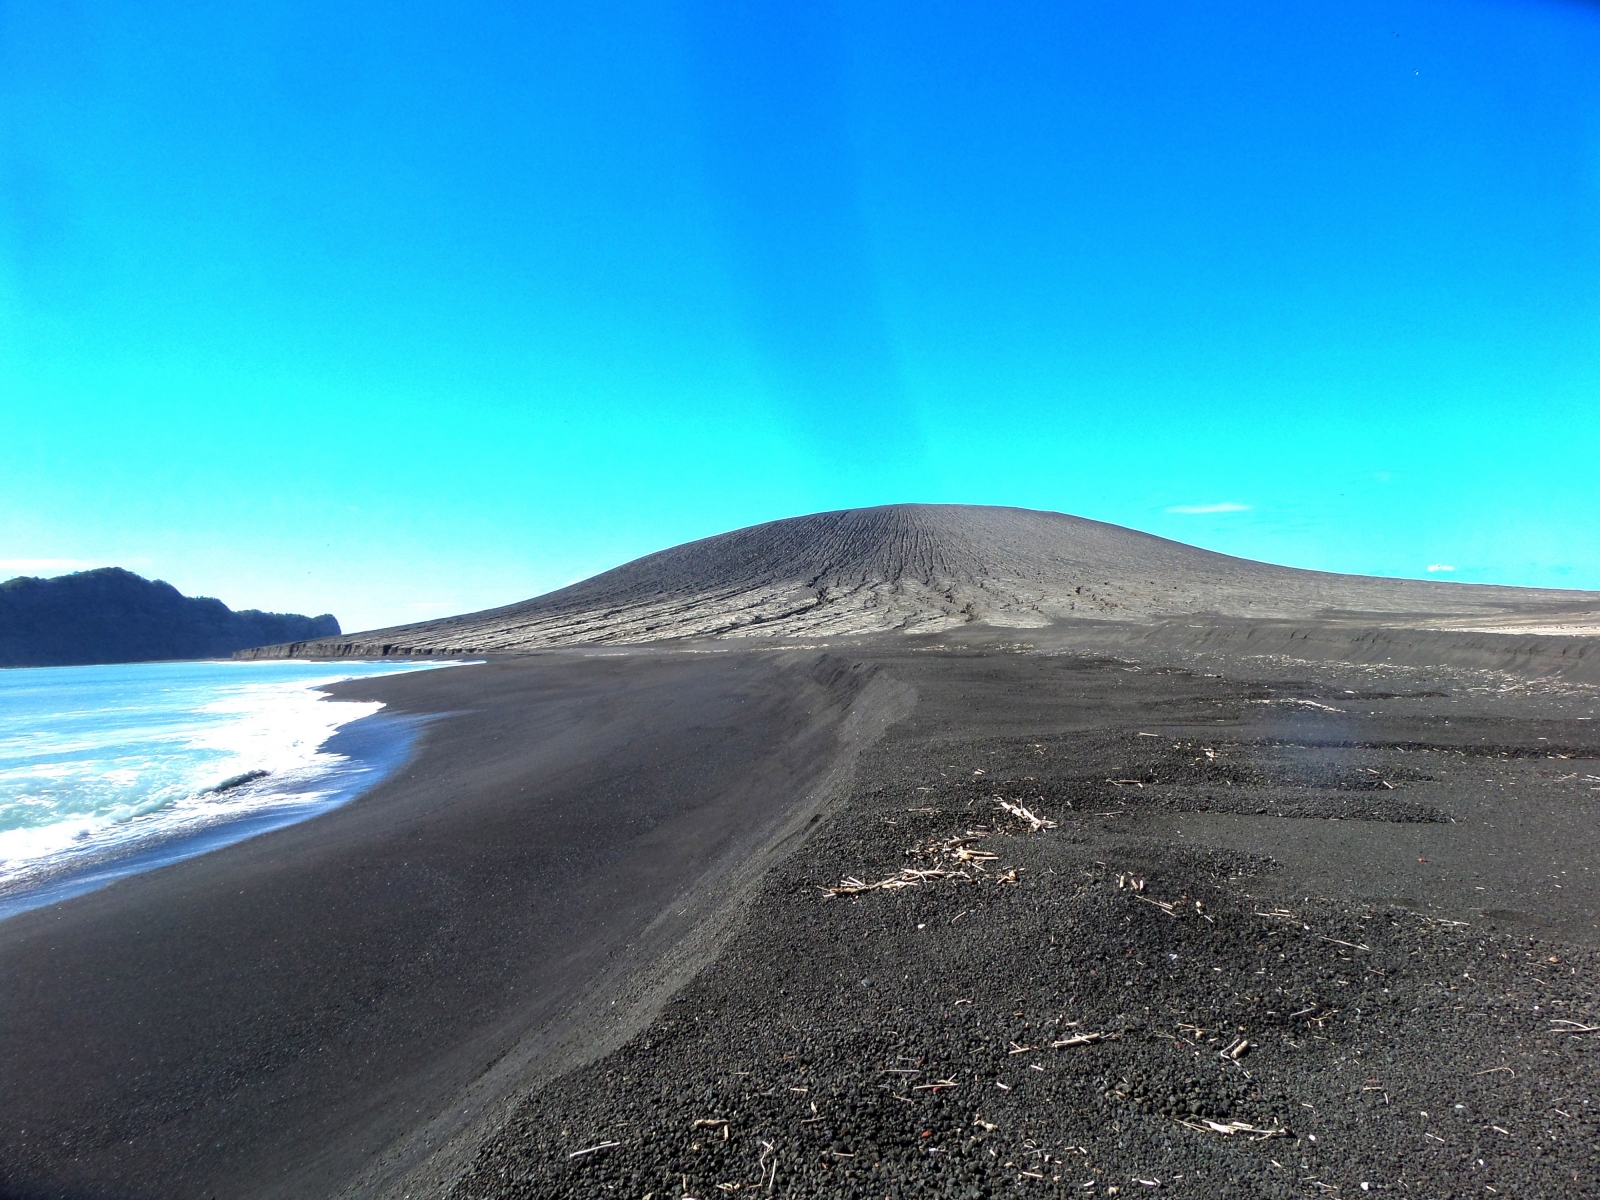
point(1008, 965)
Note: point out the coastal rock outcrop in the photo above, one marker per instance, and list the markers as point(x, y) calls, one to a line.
point(111, 615)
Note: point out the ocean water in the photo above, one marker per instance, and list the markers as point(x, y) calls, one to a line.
point(109, 770)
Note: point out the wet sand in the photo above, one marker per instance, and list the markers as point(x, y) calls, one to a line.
point(593, 910)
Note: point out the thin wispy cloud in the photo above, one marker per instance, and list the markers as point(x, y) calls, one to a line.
point(1193, 509)
point(1440, 567)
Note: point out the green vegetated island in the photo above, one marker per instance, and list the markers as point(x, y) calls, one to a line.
point(110, 615)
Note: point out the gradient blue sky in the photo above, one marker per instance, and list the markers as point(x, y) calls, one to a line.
point(399, 310)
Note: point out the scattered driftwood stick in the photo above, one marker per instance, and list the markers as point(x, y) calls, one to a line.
point(1232, 1127)
point(1337, 942)
point(1033, 820)
point(968, 854)
point(1169, 909)
point(908, 877)
point(1085, 1039)
point(592, 1149)
point(762, 1165)
point(956, 847)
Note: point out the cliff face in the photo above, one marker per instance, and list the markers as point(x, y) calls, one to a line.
point(111, 616)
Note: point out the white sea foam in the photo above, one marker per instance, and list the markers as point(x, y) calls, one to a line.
point(98, 763)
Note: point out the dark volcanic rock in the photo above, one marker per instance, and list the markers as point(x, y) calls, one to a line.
point(110, 615)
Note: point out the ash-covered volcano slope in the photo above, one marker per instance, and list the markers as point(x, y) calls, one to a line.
point(933, 567)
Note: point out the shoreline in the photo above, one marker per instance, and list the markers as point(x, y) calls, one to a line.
point(371, 747)
point(592, 908)
point(280, 1015)
point(385, 744)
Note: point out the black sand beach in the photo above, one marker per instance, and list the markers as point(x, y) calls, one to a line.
point(277, 1017)
point(593, 913)
point(723, 895)
point(1342, 939)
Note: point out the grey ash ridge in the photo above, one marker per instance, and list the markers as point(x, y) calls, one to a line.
point(928, 568)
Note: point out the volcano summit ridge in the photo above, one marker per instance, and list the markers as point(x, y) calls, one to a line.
point(927, 568)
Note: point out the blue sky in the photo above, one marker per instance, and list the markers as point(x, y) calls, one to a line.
point(400, 310)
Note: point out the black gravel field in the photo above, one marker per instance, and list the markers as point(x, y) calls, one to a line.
point(1084, 927)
